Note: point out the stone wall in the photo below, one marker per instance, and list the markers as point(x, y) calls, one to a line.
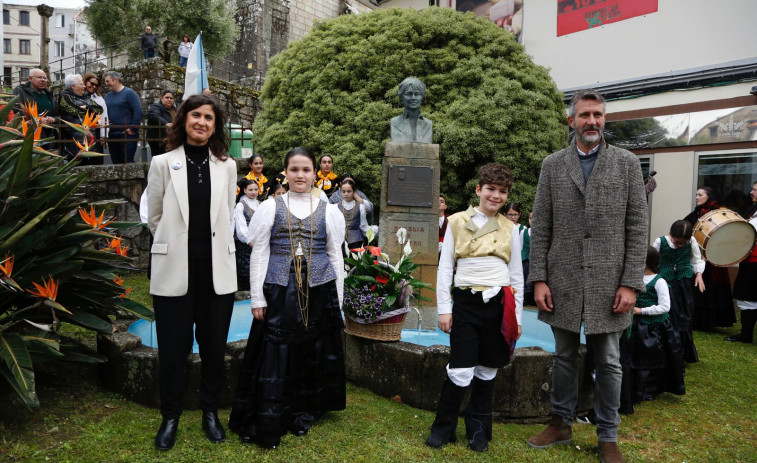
point(150, 77)
point(126, 182)
point(303, 13)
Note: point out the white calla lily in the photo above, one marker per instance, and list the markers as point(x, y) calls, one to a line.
point(407, 250)
point(401, 235)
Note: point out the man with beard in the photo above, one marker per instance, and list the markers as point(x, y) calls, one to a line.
point(588, 247)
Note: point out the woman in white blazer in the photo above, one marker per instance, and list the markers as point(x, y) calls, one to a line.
point(190, 193)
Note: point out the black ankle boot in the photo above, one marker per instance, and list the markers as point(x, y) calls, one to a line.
point(212, 427)
point(478, 415)
point(748, 320)
point(166, 436)
point(445, 424)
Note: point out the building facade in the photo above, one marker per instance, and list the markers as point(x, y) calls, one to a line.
point(21, 43)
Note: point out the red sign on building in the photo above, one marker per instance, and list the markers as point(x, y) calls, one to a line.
point(579, 15)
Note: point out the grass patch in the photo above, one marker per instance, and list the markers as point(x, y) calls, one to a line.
point(80, 421)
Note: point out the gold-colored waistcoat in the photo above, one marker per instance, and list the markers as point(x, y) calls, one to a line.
point(493, 239)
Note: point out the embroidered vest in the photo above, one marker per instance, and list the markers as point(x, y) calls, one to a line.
point(280, 259)
point(493, 239)
point(352, 231)
point(675, 263)
point(649, 299)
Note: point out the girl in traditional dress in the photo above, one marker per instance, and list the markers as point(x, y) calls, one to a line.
point(356, 227)
point(714, 307)
point(256, 174)
point(326, 179)
point(277, 190)
point(293, 368)
point(680, 261)
point(654, 347)
point(243, 212)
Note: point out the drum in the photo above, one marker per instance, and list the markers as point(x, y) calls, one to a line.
point(725, 238)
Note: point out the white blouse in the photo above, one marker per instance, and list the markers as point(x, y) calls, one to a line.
point(240, 222)
point(663, 297)
point(301, 205)
point(697, 264)
point(481, 270)
point(349, 205)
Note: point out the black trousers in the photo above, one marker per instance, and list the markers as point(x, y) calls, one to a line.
point(210, 314)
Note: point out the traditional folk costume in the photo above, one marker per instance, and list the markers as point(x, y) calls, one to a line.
point(243, 212)
point(653, 346)
point(293, 368)
point(677, 267)
point(329, 183)
point(745, 292)
point(487, 254)
point(356, 223)
point(264, 185)
point(714, 307)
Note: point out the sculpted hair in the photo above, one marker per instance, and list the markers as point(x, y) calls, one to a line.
point(581, 95)
point(177, 133)
point(411, 83)
point(681, 229)
point(300, 151)
point(653, 259)
point(495, 174)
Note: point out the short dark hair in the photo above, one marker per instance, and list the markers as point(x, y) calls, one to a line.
point(514, 206)
point(177, 133)
point(653, 259)
point(325, 156)
point(588, 94)
point(253, 157)
point(164, 92)
point(495, 174)
point(299, 151)
point(349, 182)
point(681, 229)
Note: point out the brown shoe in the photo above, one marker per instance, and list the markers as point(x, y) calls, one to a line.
point(609, 452)
point(557, 433)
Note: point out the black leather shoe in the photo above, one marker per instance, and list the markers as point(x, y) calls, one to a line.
point(166, 437)
point(738, 338)
point(212, 427)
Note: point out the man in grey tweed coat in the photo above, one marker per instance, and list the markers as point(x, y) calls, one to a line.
point(588, 246)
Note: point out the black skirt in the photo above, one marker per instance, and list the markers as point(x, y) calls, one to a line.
point(681, 309)
point(243, 252)
point(656, 360)
point(714, 307)
point(291, 374)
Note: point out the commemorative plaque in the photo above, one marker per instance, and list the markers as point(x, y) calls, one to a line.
point(410, 186)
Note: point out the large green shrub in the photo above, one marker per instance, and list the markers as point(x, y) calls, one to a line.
point(60, 257)
point(335, 90)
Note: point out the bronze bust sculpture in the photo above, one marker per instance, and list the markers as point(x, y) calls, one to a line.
point(411, 126)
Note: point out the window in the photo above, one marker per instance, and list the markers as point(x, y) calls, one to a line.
point(60, 20)
point(7, 74)
point(23, 74)
point(730, 174)
point(60, 49)
point(23, 18)
point(7, 47)
point(57, 76)
point(6, 17)
point(24, 47)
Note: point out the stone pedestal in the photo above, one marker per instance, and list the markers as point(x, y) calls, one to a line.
point(415, 213)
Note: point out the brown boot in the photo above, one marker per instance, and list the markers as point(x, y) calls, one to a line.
point(557, 433)
point(609, 452)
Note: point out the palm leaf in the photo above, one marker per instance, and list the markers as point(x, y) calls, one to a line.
point(16, 357)
point(136, 308)
point(89, 321)
point(6, 245)
point(21, 170)
point(29, 397)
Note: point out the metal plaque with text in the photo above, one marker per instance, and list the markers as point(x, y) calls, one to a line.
point(410, 186)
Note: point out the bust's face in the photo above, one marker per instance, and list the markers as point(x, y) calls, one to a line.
point(412, 98)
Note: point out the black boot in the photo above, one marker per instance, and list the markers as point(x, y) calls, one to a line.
point(166, 436)
point(445, 424)
point(478, 416)
point(748, 320)
point(212, 427)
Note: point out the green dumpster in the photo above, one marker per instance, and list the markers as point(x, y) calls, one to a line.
point(241, 141)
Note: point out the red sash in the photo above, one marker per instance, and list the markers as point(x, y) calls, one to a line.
point(509, 327)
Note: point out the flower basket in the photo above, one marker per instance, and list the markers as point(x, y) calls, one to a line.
point(377, 294)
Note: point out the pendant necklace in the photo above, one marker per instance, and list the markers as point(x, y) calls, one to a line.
point(303, 288)
point(199, 168)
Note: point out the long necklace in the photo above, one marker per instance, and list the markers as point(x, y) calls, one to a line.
point(347, 218)
point(303, 294)
point(199, 168)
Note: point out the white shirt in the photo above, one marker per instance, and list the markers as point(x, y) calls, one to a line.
point(697, 264)
point(259, 232)
point(349, 205)
point(103, 123)
point(481, 270)
point(240, 222)
point(663, 297)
